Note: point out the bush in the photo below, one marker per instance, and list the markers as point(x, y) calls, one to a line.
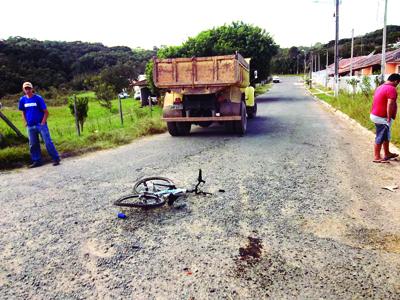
point(104, 93)
point(82, 107)
point(353, 82)
point(378, 81)
point(149, 76)
point(366, 87)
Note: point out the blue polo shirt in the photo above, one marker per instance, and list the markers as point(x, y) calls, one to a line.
point(34, 109)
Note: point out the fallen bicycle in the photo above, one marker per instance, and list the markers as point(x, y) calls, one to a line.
point(151, 192)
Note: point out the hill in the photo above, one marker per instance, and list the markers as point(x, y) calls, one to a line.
point(63, 64)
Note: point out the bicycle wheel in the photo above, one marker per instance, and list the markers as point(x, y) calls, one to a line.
point(140, 201)
point(153, 185)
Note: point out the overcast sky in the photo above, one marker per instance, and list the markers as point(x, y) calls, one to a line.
point(170, 22)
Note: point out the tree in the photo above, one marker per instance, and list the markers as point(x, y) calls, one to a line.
point(250, 41)
point(366, 87)
point(82, 108)
point(104, 93)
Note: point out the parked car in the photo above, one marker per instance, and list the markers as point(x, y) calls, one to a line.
point(276, 79)
point(123, 95)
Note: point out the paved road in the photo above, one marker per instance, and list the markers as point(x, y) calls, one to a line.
point(303, 216)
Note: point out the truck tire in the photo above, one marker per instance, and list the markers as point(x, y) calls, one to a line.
point(172, 128)
point(183, 128)
point(252, 111)
point(241, 126)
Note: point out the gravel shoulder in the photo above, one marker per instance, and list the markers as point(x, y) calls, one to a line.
point(303, 215)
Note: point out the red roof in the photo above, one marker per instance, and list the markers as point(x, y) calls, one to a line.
point(361, 62)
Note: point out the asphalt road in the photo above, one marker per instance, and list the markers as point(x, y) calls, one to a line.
point(303, 215)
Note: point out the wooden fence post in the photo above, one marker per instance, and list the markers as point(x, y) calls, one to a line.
point(12, 126)
point(151, 107)
point(120, 111)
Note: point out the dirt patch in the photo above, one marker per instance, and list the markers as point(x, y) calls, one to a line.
point(374, 239)
point(354, 235)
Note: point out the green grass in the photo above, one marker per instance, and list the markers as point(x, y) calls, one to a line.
point(102, 130)
point(261, 89)
point(358, 108)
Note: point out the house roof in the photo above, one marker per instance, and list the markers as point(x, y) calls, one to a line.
point(361, 62)
point(138, 83)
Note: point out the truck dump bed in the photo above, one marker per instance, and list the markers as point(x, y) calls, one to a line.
point(199, 75)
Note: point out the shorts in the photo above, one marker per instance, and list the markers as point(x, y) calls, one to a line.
point(382, 133)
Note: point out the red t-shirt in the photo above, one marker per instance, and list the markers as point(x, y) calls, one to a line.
point(381, 96)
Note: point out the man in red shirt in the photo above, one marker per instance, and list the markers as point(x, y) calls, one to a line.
point(383, 113)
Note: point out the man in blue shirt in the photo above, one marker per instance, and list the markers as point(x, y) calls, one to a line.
point(35, 113)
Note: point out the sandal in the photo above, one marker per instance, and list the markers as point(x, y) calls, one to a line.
point(381, 161)
point(391, 155)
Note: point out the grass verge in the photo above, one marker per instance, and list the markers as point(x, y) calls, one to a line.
point(102, 130)
point(358, 108)
point(262, 89)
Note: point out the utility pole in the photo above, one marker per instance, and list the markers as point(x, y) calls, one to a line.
point(326, 68)
point(313, 63)
point(383, 62)
point(327, 58)
point(352, 47)
point(337, 50)
point(319, 61)
point(311, 68)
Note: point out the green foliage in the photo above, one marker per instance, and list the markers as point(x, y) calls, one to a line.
point(102, 130)
point(104, 93)
point(261, 89)
point(250, 41)
point(358, 108)
point(66, 65)
point(149, 75)
point(378, 81)
point(82, 107)
point(366, 87)
point(353, 82)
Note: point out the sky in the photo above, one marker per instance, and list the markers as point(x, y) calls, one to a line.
point(148, 23)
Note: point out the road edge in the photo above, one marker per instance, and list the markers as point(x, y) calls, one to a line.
point(350, 120)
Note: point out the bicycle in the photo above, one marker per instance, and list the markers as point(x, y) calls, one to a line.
point(155, 191)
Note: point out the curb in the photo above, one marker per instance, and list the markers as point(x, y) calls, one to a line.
point(345, 117)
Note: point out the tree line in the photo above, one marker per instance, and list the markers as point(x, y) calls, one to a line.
point(67, 65)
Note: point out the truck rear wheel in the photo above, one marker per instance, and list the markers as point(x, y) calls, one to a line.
point(183, 128)
point(172, 128)
point(241, 126)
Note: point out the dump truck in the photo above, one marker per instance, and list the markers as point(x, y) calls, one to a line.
point(204, 90)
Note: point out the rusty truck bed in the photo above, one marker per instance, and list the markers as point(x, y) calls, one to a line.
point(200, 75)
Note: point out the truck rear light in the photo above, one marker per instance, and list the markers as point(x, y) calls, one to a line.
point(178, 101)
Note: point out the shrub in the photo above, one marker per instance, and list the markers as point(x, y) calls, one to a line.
point(82, 107)
point(104, 93)
point(149, 76)
point(366, 87)
point(353, 82)
point(378, 81)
